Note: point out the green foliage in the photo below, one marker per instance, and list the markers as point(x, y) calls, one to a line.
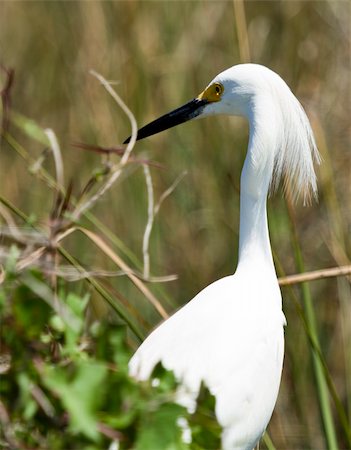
point(78, 393)
point(67, 385)
point(205, 429)
point(157, 430)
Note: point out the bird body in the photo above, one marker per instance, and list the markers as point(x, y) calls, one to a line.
point(230, 336)
point(240, 363)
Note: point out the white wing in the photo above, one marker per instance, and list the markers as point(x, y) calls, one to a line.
point(231, 337)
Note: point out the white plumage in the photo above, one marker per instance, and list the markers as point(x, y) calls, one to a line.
point(231, 334)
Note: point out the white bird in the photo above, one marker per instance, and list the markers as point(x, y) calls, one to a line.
point(231, 335)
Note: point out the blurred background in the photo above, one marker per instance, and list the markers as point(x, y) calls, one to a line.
point(160, 55)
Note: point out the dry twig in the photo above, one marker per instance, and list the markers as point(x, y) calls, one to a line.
point(117, 170)
point(56, 151)
point(150, 221)
point(152, 212)
point(5, 95)
point(315, 275)
point(99, 242)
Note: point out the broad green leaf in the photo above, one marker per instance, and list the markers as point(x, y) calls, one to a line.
point(77, 306)
point(160, 431)
point(81, 395)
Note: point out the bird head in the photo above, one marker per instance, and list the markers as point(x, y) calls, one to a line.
point(229, 93)
point(232, 92)
point(282, 130)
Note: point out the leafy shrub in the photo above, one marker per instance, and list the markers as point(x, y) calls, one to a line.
point(65, 382)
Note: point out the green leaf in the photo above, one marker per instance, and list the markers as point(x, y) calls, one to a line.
point(159, 429)
point(29, 127)
point(81, 395)
point(206, 432)
point(31, 314)
point(11, 260)
point(166, 378)
point(29, 405)
point(77, 306)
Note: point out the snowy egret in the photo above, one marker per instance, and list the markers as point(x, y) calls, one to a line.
point(231, 335)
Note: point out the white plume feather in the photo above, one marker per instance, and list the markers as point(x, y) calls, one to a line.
point(296, 149)
point(282, 144)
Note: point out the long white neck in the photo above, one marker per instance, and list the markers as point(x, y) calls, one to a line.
point(254, 244)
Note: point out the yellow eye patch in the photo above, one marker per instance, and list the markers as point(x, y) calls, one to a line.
point(212, 93)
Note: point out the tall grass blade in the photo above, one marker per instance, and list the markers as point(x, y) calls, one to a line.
point(268, 441)
point(318, 369)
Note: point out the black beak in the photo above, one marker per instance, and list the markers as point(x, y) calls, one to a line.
point(171, 119)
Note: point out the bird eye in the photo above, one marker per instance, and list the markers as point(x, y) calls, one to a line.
point(212, 93)
point(218, 88)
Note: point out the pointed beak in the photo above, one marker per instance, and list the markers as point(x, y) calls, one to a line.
point(180, 115)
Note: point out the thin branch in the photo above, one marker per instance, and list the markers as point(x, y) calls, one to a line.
point(21, 234)
point(315, 275)
point(43, 401)
point(30, 259)
point(117, 260)
point(118, 308)
point(169, 191)
point(54, 145)
point(5, 95)
point(71, 273)
point(127, 111)
point(152, 212)
point(11, 225)
point(150, 221)
point(116, 172)
point(115, 151)
point(109, 432)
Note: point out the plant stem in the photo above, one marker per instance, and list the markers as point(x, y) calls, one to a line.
point(268, 441)
point(318, 369)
